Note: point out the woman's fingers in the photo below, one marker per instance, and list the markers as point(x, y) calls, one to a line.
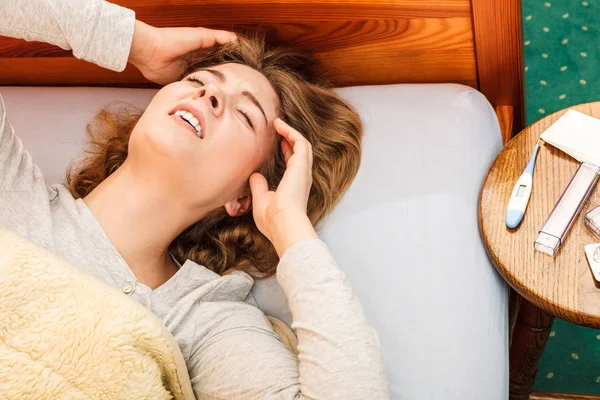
point(298, 143)
point(223, 37)
point(258, 185)
point(297, 152)
point(210, 37)
point(286, 148)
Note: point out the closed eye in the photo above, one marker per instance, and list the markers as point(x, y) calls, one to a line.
point(191, 78)
point(196, 80)
point(248, 119)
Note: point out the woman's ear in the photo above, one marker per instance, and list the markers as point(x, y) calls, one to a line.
point(239, 206)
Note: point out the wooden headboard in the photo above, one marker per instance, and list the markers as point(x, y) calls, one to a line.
point(473, 42)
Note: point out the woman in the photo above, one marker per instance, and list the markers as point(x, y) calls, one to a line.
point(178, 207)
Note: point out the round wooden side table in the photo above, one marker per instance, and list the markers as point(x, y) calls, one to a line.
point(550, 287)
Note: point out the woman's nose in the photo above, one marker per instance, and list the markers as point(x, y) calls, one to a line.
point(214, 97)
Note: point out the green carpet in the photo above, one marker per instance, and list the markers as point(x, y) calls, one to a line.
point(562, 68)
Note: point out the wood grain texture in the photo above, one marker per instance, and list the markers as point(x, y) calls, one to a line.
point(514, 306)
point(561, 286)
point(222, 12)
point(51, 72)
point(499, 48)
point(505, 116)
point(561, 396)
point(404, 50)
point(530, 335)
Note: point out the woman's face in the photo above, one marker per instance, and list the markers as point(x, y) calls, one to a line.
point(235, 107)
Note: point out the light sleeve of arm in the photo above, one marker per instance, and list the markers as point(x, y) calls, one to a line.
point(95, 30)
point(17, 170)
point(339, 356)
point(339, 351)
point(243, 359)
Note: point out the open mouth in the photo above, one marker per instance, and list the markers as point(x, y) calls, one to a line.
point(182, 121)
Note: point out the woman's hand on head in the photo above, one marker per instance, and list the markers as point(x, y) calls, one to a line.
point(162, 54)
point(281, 215)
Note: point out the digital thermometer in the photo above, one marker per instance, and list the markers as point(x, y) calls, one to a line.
point(521, 193)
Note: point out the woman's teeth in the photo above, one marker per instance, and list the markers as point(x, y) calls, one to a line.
point(191, 120)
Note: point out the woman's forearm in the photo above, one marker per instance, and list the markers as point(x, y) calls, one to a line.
point(95, 30)
point(291, 230)
point(140, 52)
point(339, 350)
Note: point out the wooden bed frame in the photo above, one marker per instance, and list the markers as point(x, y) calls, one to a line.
point(474, 42)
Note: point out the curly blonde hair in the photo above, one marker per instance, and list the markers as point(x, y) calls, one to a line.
point(220, 242)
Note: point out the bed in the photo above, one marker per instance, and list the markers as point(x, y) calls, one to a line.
point(438, 84)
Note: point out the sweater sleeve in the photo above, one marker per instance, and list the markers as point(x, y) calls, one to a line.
point(95, 30)
point(17, 170)
point(339, 355)
point(339, 351)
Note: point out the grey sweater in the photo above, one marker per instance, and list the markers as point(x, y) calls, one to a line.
point(229, 346)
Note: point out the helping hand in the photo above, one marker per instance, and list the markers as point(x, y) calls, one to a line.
point(162, 54)
point(281, 215)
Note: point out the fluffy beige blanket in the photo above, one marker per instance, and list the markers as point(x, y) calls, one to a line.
point(66, 335)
